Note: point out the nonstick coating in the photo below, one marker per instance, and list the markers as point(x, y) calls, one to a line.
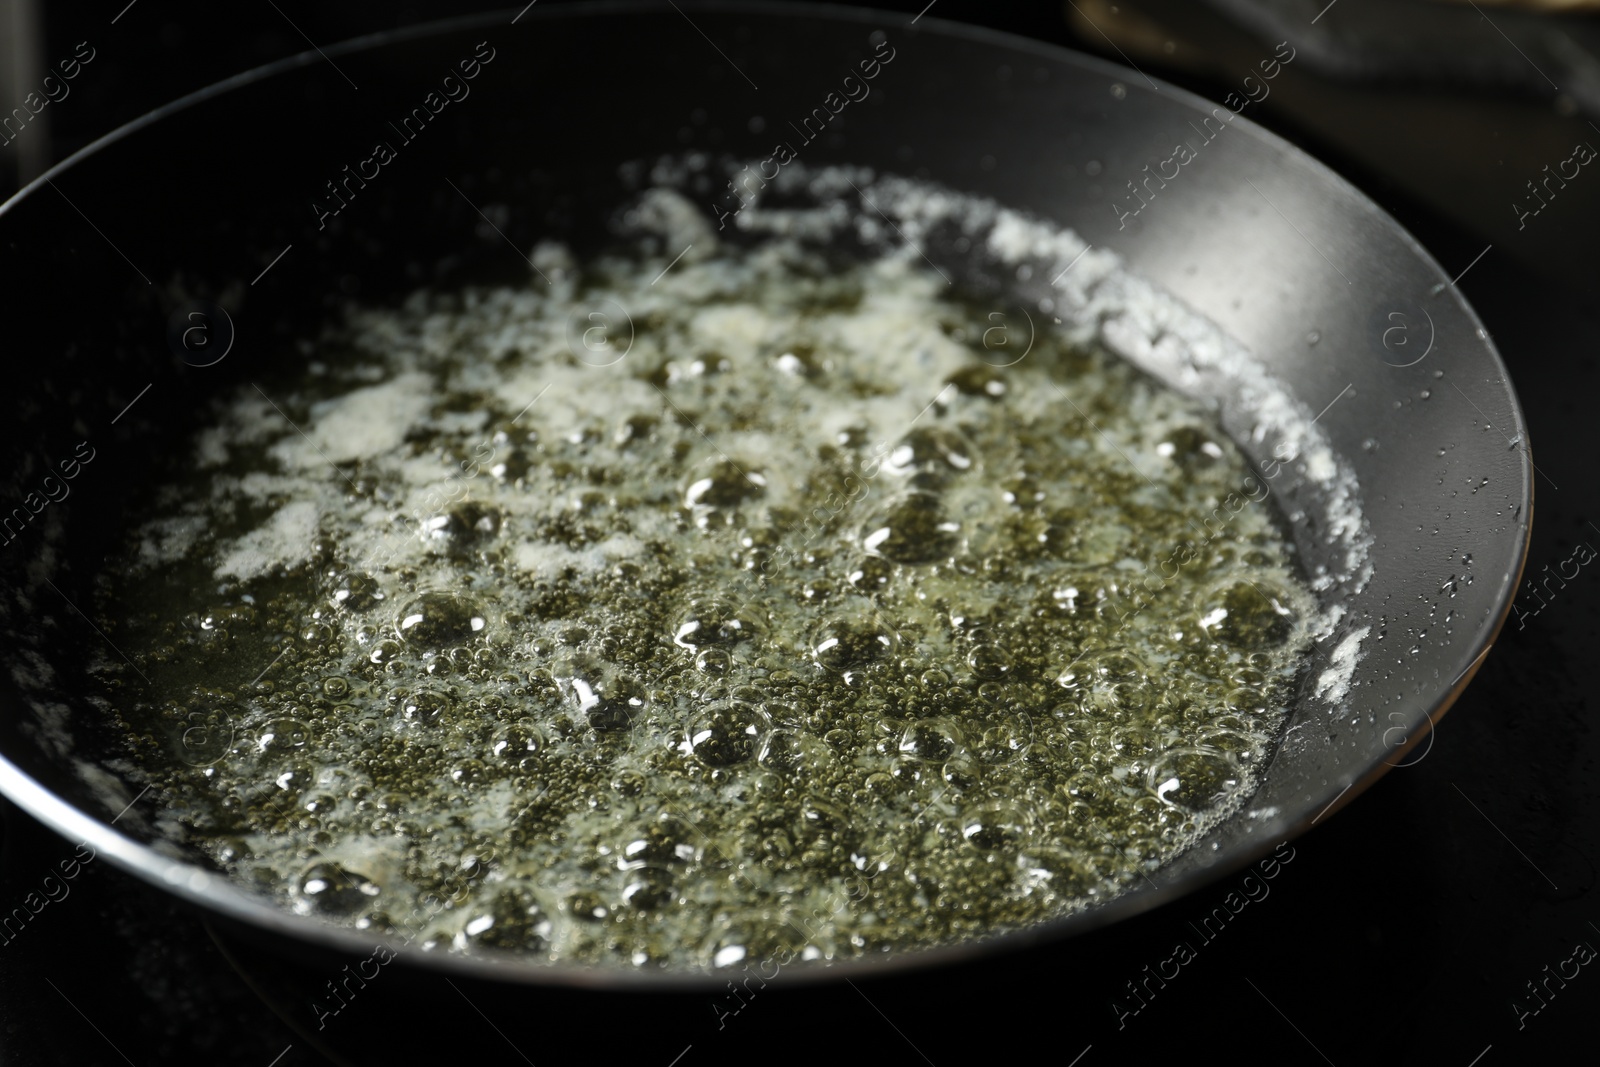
point(195, 200)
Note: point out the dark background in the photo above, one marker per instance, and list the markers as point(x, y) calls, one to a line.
point(1405, 926)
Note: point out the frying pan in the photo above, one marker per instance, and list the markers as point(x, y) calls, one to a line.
point(219, 202)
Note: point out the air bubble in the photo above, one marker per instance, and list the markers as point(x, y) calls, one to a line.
point(607, 703)
point(995, 827)
point(725, 485)
point(914, 528)
point(426, 708)
point(1194, 779)
point(713, 622)
point(933, 740)
point(930, 455)
point(330, 889)
point(465, 527)
point(282, 736)
point(990, 661)
point(851, 641)
point(439, 620)
point(357, 593)
point(517, 742)
point(725, 734)
point(714, 661)
point(1248, 615)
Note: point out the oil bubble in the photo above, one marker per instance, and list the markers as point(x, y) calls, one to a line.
point(715, 661)
point(466, 526)
point(913, 528)
point(1004, 742)
point(962, 774)
point(796, 752)
point(846, 641)
point(330, 889)
point(990, 661)
point(440, 620)
point(997, 826)
point(722, 735)
point(930, 455)
point(357, 593)
point(648, 888)
point(712, 621)
point(425, 708)
point(208, 731)
point(1248, 615)
point(1196, 780)
point(607, 703)
point(726, 484)
point(281, 737)
point(517, 742)
point(934, 740)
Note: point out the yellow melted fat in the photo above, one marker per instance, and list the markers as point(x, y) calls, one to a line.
point(758, 608)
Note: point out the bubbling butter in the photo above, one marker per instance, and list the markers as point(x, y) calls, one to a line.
point(668, 618)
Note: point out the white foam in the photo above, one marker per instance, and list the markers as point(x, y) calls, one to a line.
point(362, 423)
point(1333, 684)
point(283, 541)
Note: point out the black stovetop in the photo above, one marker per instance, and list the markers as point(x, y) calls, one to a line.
point(1440, 918)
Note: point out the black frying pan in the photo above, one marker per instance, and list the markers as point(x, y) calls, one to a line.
point(219, 201)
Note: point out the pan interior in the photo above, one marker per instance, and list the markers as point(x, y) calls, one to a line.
point(1039, 131)
point(911, 688)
